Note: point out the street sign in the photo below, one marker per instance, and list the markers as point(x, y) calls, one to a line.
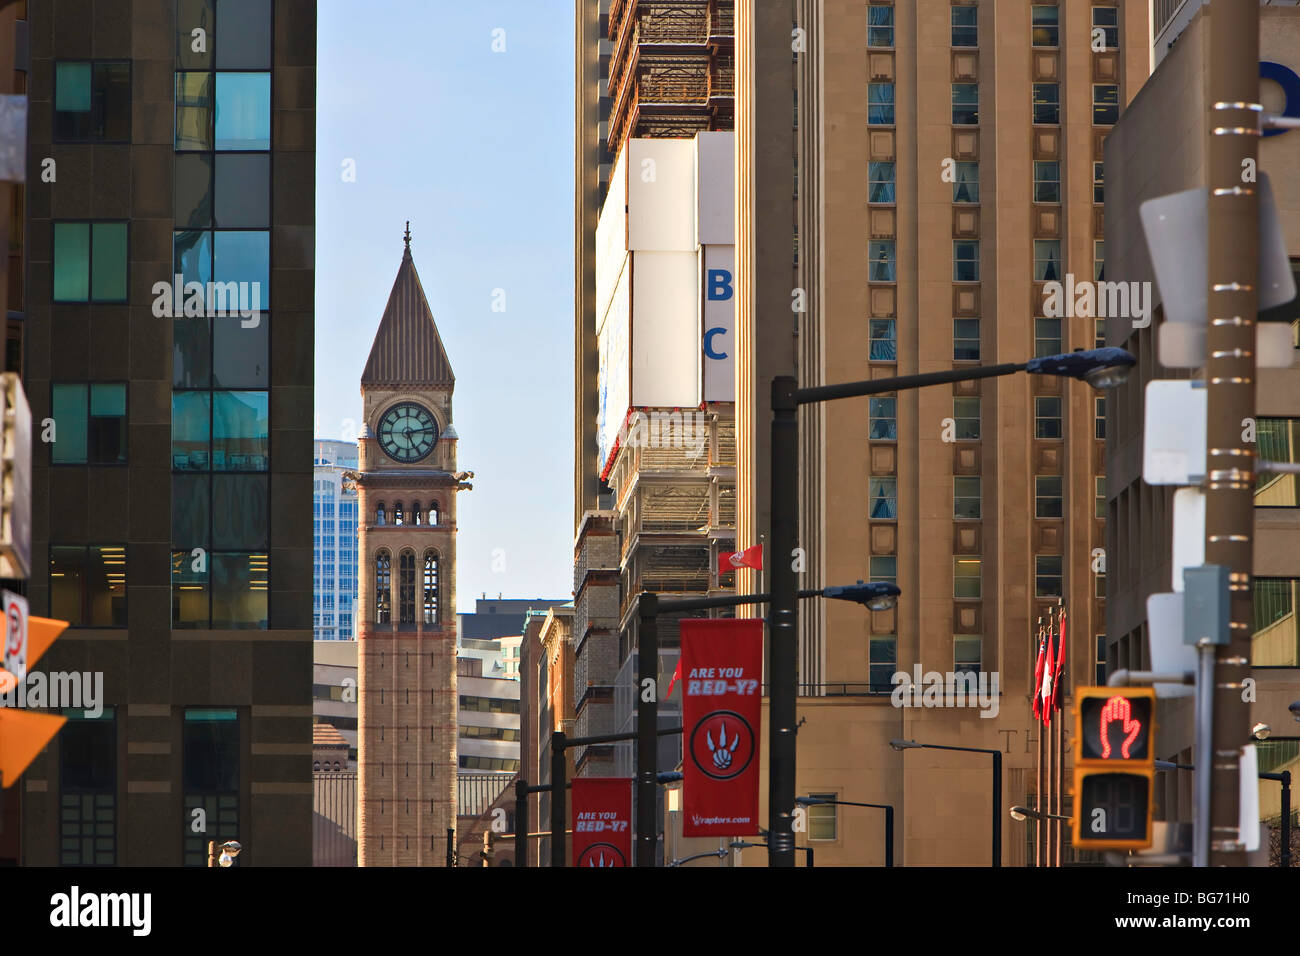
point(15, 479)
point(1248, 798)
point(1189, 532)
point(1173, 437)
point(1114, 767)
point(15, 611)
point(1177, 232)
point(1169, 653)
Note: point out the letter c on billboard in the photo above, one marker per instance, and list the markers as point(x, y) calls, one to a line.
point(708, 343)
point(1286, 78)
point(719, 285)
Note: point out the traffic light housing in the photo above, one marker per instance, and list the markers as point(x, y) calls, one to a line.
point(1114, 767)
point(24, 734)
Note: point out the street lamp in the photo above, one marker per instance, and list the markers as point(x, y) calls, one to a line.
point(889, 818)
point(997, 784)
point(229, 850)
point(746, 845)
point(876, 595)
point(718, 853)
point(1101, 368)
point(1020, 813)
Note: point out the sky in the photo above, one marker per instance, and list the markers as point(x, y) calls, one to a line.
point(475, 148)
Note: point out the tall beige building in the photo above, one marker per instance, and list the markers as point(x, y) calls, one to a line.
point(910, 175)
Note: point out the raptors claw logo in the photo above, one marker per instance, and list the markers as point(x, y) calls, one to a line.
point(722, 753)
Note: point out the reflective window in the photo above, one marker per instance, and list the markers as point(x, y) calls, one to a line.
point(1048, 497)
point(1105, 25)
point(1047, 181)
point(964, 29)
point(88, 585)
point(966, 418)
point(880, 256)
point(965, 339)
point(1047, 416)
point(967, 653)
point(240, 431)
point(243, 37)
point(431, 588)
point(883, 424)
point(1045, 19)
point(821, 818)
point(880, 177)
point(1047, 337)
point(965, 103)
point(90, 424)
point(880, 104)
point(966, 185)
point(880, 25)
point(92, 101)
point(1105, 104)
point(966, 261)
point(1047, 260)
point(1275, 640)
point(966, 578)
point(243, 113)
point(883, 651)
point(1278, 440)
point(884, 341)
point(90, 261)
point(1047, 103)
point(883, 493)
point(239, 589)
point(1048, 578)
point(194, 111)
point(966, 496)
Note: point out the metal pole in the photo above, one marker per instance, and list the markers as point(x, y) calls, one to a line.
point(559, 782)
point(1233, 271)
point(1038, 796)
point(809, 851)
point(889, 836)
point(647, 741)
point(1204, 749)
point(521, 822)
point(1049, 779)
point(1286, 818)
point(997, 808)
point(1060, 778)
point(451, 847)
point(782, 628)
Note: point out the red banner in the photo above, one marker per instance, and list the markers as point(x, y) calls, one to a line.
point(602, 821)
point(721, 667)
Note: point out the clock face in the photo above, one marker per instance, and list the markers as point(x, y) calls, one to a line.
point(408, 432)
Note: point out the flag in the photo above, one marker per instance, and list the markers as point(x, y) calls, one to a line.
point(1045, 683)
point(602, 821)
point(749, 558)
point(1038, 670)
point(672, 681)
point(1058, 670)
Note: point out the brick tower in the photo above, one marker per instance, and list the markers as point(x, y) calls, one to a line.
point(406, 610)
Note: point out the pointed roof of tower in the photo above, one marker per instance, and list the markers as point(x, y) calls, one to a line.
point(407, 349)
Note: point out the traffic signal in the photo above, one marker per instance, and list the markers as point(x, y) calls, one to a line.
point(24, 734)
point(1114, 767)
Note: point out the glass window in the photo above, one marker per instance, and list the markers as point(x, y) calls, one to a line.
point(1278, 439)
point(1099, 405)
point(880, 104)
point(1048, 499)
point(884, 423)
point(191, 430)
point(243, 111)
point(883, 493)
point(239, 588)
point(964, 29)
point(192, 190)
point(190, 597)
point(431, 588)
point(1099, 183)
point(1047, 337)
point(1047, 103)
point(967, 653)
point(243, 37)
point(1048, 581)
point(966, 339)
point(880, 254)
point(1047, 181)
point(884, 569)
point(884, 343)
point(192, 14)
point(88, 788)
point(1099, 336)
point(1047, 260)
point(821, 818)
point(880, 25)
point(965, 103)
point(966, 261)
point(244, 257)
point(1105, 104)
point(966, 417)
point(1106, 19)
point(240, 431)
point(242, 190)
point(90, 261)
point(880, 176)
point(966, 496)
point(88, 585)
point(1099, 259)
point(1045, 19)
point(240, 512)
point(966, 577)
point(883, 662)
point(966, 185)
point(384, 588)
point(1101, 661)
point(92, 101)
point(194, 111)
point(1099, 588)
point(239, 352)
point(1047, 416)
point(1274, 640)
point(192, 256)
point(210, 751)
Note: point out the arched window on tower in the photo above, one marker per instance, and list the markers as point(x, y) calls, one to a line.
point(430, 587)
point(380, 516)
point(398, 517)
point(417, 516)
point(406, 588)
point(433, 513)
point(383, 588)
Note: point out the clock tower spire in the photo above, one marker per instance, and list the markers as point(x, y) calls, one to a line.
point(406, 610)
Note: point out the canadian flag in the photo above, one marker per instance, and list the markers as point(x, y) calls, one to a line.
point(672, 681)
point(1057, 699)
point(749, 558)
point(1038, 670)
point(1044, 703)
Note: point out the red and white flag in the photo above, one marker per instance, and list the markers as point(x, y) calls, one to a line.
point(1038, 670)
point(1044, 702)
point(749, 558)
point(1057, 701)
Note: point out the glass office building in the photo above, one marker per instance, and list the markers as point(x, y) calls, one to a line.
point(334, 542)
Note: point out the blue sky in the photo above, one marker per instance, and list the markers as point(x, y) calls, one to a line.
point(475, 148)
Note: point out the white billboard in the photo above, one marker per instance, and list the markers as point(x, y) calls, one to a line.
point(715, 188)
point(718, 330)
point(613, 381)
point(661, 195)
point(665, 329)
point(611, 238)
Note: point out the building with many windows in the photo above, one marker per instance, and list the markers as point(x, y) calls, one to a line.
point(334, 542)
point(169, 516)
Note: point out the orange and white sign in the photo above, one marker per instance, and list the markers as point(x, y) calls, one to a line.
point(15, 610)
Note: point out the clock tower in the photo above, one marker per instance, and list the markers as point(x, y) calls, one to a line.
point(406, 609)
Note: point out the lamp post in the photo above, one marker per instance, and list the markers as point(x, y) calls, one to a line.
point(878, 596)
point(719, 854)
point(997, 784)
point(889, 818)
point(746, 845)
point(1101, 368)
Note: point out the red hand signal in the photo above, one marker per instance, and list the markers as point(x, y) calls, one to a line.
point(1118, 708)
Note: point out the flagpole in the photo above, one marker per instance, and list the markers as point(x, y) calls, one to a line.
point(1038, 784)
point(1054, 743)
point(1046, 731)
point(1058, 702)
